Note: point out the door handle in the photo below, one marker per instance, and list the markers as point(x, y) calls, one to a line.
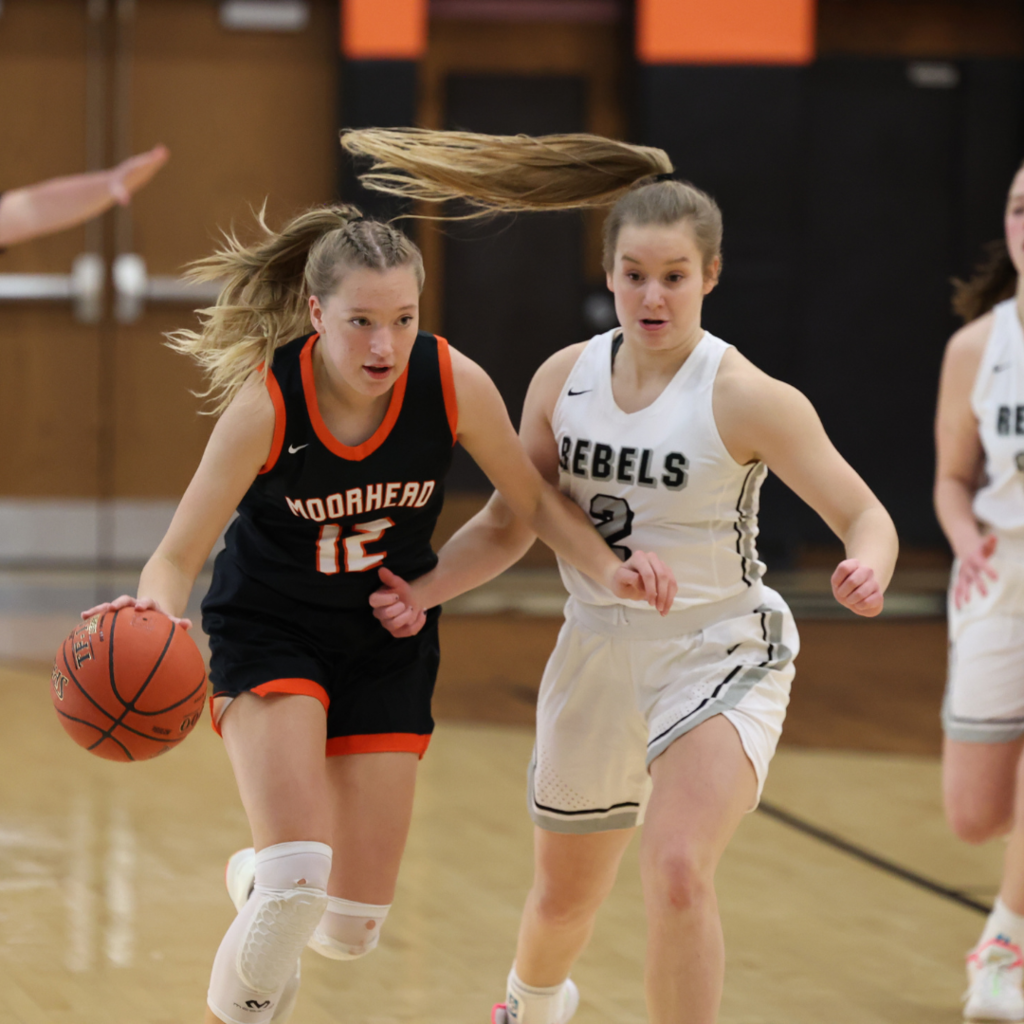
point(83, 287)
point(134, 287)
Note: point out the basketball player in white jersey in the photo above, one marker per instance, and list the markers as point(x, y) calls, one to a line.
point(979, 498)
point(663, 434)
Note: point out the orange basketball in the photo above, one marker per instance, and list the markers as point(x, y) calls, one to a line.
point(128, 685)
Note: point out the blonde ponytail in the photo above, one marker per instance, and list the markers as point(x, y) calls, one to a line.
point(511, 173)
point(264, 302)
point(502, 172)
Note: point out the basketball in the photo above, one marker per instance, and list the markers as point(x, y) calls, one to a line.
point(128, 685)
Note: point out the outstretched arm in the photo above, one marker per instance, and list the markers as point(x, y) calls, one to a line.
point(495, 538)
point(60, 203)
point(238, 447)
point(526, 505)
point(763, 419)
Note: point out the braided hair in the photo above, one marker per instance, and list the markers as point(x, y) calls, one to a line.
point(263, 303)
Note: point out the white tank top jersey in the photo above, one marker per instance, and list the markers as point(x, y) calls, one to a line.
point(659, 479)
point(998, 403)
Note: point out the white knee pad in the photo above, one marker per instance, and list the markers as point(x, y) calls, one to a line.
point(257, 956)
point(348, 930)
point(289, 994)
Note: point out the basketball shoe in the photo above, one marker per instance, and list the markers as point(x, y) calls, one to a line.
point(240, 878)
point(502, 1014)
point(995, 974)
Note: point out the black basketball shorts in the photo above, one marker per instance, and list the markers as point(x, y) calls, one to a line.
point(376, 689)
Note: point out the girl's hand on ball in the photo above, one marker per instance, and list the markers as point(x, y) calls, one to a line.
point(855, 587)
point(139, 604)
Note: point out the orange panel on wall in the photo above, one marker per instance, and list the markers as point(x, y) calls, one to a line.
point(725, 31)
point(383, 29)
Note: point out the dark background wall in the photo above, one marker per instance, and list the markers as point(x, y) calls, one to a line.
point(853, 189)
point(513, 285)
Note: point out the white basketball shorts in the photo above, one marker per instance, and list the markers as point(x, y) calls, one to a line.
point(622, 685)
point(984, 701)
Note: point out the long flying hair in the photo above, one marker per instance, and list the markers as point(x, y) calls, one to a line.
point(264, 302)
point(512, 173)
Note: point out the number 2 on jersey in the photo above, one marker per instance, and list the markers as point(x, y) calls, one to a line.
point(356, 558)
point(614, 521)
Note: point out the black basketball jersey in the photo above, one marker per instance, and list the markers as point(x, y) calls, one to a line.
point(322, 517)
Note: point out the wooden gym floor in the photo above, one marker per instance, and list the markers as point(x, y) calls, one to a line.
point(844, 899)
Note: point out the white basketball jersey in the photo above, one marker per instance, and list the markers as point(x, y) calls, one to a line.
point(659, 479)
point(998, 402)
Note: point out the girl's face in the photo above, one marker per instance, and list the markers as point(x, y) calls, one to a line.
point(659, 283)
point(368, 325)
point(1014, 222)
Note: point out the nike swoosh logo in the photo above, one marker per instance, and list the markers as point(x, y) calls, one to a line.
point(1001, 366)
point(292, 449)
point(583, 392)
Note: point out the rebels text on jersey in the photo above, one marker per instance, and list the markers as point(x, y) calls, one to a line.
point(323, 516)
point(597, 461)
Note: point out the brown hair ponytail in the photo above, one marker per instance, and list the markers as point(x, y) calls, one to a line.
point(509, 173)
point(994, 279)
point(267, 284)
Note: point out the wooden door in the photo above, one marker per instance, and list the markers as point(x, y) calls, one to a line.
point(249, 118)
point(49, 383)
point(106, 411)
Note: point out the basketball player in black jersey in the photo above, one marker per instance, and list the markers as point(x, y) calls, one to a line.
point(333, 448)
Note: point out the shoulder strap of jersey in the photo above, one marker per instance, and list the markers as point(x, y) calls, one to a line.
point(451, 402)
point(284, 385)
point(997, 348)
point(431, 390)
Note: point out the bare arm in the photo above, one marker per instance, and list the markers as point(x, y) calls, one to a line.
point(495, 538)
point(61, 203)
point(526, 505)
point(487, 434)
point(237, 449)
point(959, 458)
point(763, 419)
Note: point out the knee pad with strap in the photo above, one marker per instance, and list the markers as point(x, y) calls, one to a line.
point(257, 957)
point(348, 930)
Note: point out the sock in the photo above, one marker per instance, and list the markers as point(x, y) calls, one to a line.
point(526, 1004)
point(1003, 922)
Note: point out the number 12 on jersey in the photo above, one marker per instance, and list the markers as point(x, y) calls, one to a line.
point(354, 547)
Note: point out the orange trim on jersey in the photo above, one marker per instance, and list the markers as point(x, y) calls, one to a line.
point(380, 435)
point(451, 402)
point(303, 687)
point(213, 718)
point(277, 444)
point(379, 743)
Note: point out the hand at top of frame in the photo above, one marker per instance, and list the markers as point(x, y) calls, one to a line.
point(974, 568)
point(645, 577)
point(131, 174)
point(855, 587)
point(139, 604)
point(395, 605)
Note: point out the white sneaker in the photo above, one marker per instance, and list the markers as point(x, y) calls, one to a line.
point(995, 975)
point(240, 876)
point(570, 1004)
